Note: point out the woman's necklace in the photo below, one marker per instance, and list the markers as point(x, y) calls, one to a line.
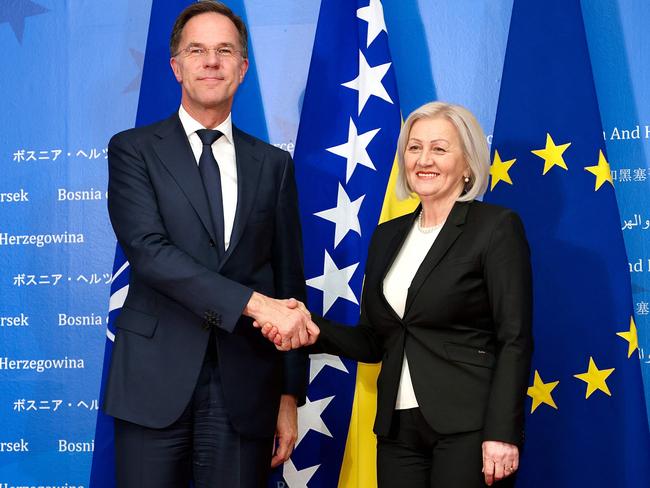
point(426, 230)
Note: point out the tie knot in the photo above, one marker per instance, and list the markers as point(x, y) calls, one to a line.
point(208, 136)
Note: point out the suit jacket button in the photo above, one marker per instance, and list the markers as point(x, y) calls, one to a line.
point(212, 244)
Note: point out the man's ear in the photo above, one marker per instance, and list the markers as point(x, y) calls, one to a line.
point(176, 69)
point(243, 69)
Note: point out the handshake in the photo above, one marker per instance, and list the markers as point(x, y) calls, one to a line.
point(286, 323)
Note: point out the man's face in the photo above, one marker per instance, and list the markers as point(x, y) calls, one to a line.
point(209, 81)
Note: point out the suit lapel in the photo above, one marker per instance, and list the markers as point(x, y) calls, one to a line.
point(450, 231)
point(396, 242)
point(173, 149)
point(392, 250)
point(249, 166)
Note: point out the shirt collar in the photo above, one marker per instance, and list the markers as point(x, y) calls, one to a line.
point(191, 125)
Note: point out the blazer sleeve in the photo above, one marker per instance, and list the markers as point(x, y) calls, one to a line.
point(508, 278)
point(289, 274)
point(359, 342)
point(140, 230)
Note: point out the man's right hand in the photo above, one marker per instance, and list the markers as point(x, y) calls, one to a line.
point(272, 334)
point(289, 320)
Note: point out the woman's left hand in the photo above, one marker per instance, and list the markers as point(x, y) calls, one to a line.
point(500, 459)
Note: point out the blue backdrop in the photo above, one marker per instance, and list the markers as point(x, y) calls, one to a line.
point(71, 79)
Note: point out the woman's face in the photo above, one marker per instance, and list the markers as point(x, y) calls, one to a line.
point(434, 160)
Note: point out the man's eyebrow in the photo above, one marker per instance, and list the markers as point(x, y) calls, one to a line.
point(221, 44)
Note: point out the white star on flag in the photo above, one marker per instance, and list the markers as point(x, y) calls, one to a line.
point(345, 215)
point(295, 478)
point(334, 283)
point(374, 15)
point(355, 149)
point(319, 361)
point(309, 418)
point(368, 82)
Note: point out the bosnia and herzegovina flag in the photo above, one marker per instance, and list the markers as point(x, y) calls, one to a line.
point(159, 98)
point(587, 422)
point(344, 154)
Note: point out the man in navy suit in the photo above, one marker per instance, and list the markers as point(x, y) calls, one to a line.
point(207, 216)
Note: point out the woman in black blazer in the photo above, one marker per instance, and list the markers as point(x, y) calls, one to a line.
point(446, 308)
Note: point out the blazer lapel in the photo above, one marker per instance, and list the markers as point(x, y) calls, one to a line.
point(392, 250)
point(173, 149)
point(450, 231)
point(249, 167)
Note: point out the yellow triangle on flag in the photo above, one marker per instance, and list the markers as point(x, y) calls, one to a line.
point(393, 207)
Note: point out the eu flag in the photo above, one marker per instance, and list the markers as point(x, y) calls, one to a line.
point(587, 423)
point(344, 153)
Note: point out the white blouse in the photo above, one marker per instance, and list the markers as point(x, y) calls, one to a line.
point(395, 287)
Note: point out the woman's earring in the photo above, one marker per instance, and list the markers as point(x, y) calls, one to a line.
point(467, 179)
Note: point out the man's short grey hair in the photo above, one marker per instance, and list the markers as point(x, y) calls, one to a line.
point(475, 148)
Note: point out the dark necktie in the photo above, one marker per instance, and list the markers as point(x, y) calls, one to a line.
point(209, 170)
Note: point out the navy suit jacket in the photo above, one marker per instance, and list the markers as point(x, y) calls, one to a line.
point(179, 289)
point(466, 328)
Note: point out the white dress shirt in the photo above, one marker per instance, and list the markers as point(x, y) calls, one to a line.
point(224, 152)
point(395, 287)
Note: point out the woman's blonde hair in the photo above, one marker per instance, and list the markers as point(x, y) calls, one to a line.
point(475, 148)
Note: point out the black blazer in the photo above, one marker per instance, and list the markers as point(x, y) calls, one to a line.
point(466, 328)
point(179, 289)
